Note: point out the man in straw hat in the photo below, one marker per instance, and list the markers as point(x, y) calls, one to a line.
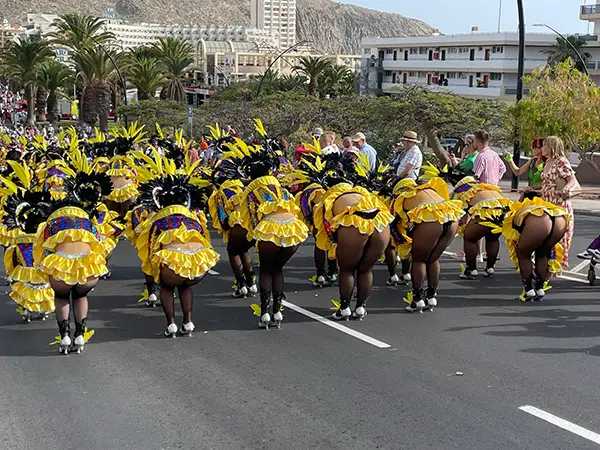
point(412, 158)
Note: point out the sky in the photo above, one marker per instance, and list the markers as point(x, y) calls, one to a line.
point(458, 16)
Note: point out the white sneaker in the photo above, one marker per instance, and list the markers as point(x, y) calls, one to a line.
point(278, 316)
point(585, 255)
point(489, 272)
point(406, 277)
point(253, 289)
point(421, 304)
point(360, 312)
point(393, 281)
point(540, 293)
point(432, 302)
point(171, 331)
point(187, 328)
point(264, 321)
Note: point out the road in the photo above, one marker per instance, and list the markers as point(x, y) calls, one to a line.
point(450, 379)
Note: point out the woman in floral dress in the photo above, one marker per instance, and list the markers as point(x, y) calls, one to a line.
point(558, 167)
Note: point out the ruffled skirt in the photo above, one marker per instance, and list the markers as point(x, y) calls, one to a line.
point(283, 232)
point(33, 297)
point(74, 269)
point(121, 195)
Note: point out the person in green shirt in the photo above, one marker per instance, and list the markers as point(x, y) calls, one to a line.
point(534, 168)
point(468, 155)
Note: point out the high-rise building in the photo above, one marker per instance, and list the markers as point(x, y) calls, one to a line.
point(277, 16)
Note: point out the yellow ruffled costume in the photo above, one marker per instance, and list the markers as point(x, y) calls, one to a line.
point(263, 197)
point(486, 210)
point(133, 219)
point(120, 168)
point(442, 211)
point(69, 224)
point(514, 221)
point(31, 289)
point(327, 224)
point(106, 227)
point(171, 225)
point(224, 207)
point(306, 201)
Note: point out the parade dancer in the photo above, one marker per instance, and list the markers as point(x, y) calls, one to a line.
point(482, 202)
point(427, 223)
point(270, 215)
point(24, 210)
point(174, 242)
point(69, 250)
point(352, 226)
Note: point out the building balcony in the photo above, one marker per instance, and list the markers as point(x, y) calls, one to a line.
point(462, 65)
point(506, 93)
point(590, 12)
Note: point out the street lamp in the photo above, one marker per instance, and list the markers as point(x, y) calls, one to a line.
point(520, 74)
point(583, 64)
point(289, 49)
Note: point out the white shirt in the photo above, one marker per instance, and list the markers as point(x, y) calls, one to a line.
point(330, 149)
point(414, 157)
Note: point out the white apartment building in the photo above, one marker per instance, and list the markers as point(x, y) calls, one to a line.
point(479, 65)
point(130, 35)
point(276, 16)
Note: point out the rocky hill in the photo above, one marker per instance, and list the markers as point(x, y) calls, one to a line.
point(330, 26)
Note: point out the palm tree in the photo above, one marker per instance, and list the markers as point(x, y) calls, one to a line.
point(78, 32)
point(292, 82)
point(313, 67)
point(51, 77)
point(22, 60)
point(146, 73)
point(561, 51)
point(176, 55)
point(97, 73)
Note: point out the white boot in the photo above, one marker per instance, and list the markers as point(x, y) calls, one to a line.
point(187, 328)
point(171, 331)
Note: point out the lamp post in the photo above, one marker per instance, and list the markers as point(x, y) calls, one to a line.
point(520, 74)
point(112, 60)
point(581, 59)
point(289, 49)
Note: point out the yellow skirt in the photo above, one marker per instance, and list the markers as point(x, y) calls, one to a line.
point(189, 264)
point(515, 218)
point(74, 269)
point(33, 297)
point(490, 209)
point(441, 212)
point(7, 237)
point(284, 233)
point(121, 195)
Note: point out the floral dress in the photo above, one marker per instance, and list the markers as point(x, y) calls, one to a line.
point(561, 168)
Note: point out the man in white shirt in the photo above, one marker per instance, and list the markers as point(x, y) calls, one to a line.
point(327, 143)
point(412, 158)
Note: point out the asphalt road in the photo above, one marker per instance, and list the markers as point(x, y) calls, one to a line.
point(450, 379)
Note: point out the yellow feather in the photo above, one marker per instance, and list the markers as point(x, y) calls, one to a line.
point(409, 298)
point(258, 125)
point(255, 309)
point(336, 305)
point(22, 173)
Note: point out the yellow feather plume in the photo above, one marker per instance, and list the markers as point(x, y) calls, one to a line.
point(258, 125)
point(159, 131)
point(409, 298)
point(21, 171)
point(255, 309)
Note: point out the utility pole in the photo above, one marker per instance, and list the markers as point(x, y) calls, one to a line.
point(520, 74)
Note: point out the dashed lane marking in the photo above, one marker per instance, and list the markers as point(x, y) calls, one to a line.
point(562, 423)
point(337, 326)
point(578, 268)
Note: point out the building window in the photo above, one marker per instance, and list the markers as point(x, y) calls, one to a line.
point(388, 73)
point(462, 76)
point(422, 50)
point(414, 51)
point(451, 75)
point(453, 50)
point(498, 50)
point(496, 76)
point(412, 74)
point(395, 55)
point(388, 51)
point(367, 51)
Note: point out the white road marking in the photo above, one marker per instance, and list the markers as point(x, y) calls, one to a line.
point(561, 423)
point(578, 280)
point(337, 326)
point(581, 266)
point(212, 272)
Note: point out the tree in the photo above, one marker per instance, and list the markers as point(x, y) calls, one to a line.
point(97, 72)
point(169, 114)
point(336, 80)
point(79, 32)
point(22, 60)
point(564, 102)
point(53, 76)
point(561, 51)
point(313, 68)
point(145, 72)
point(176, 55)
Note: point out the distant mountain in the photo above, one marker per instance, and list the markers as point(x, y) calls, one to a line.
point(331, 27)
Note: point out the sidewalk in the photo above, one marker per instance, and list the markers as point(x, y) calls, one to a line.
point(587, 204)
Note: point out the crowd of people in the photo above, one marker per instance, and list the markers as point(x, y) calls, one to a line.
point(68, 200)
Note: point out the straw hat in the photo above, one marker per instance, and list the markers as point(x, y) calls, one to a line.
point(411, 136)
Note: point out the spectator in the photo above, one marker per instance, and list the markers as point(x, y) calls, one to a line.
point(360, 141)
point(327, 142)
point(488, 167)
point(412, 158)
point(317, 133)
point(193, 154)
